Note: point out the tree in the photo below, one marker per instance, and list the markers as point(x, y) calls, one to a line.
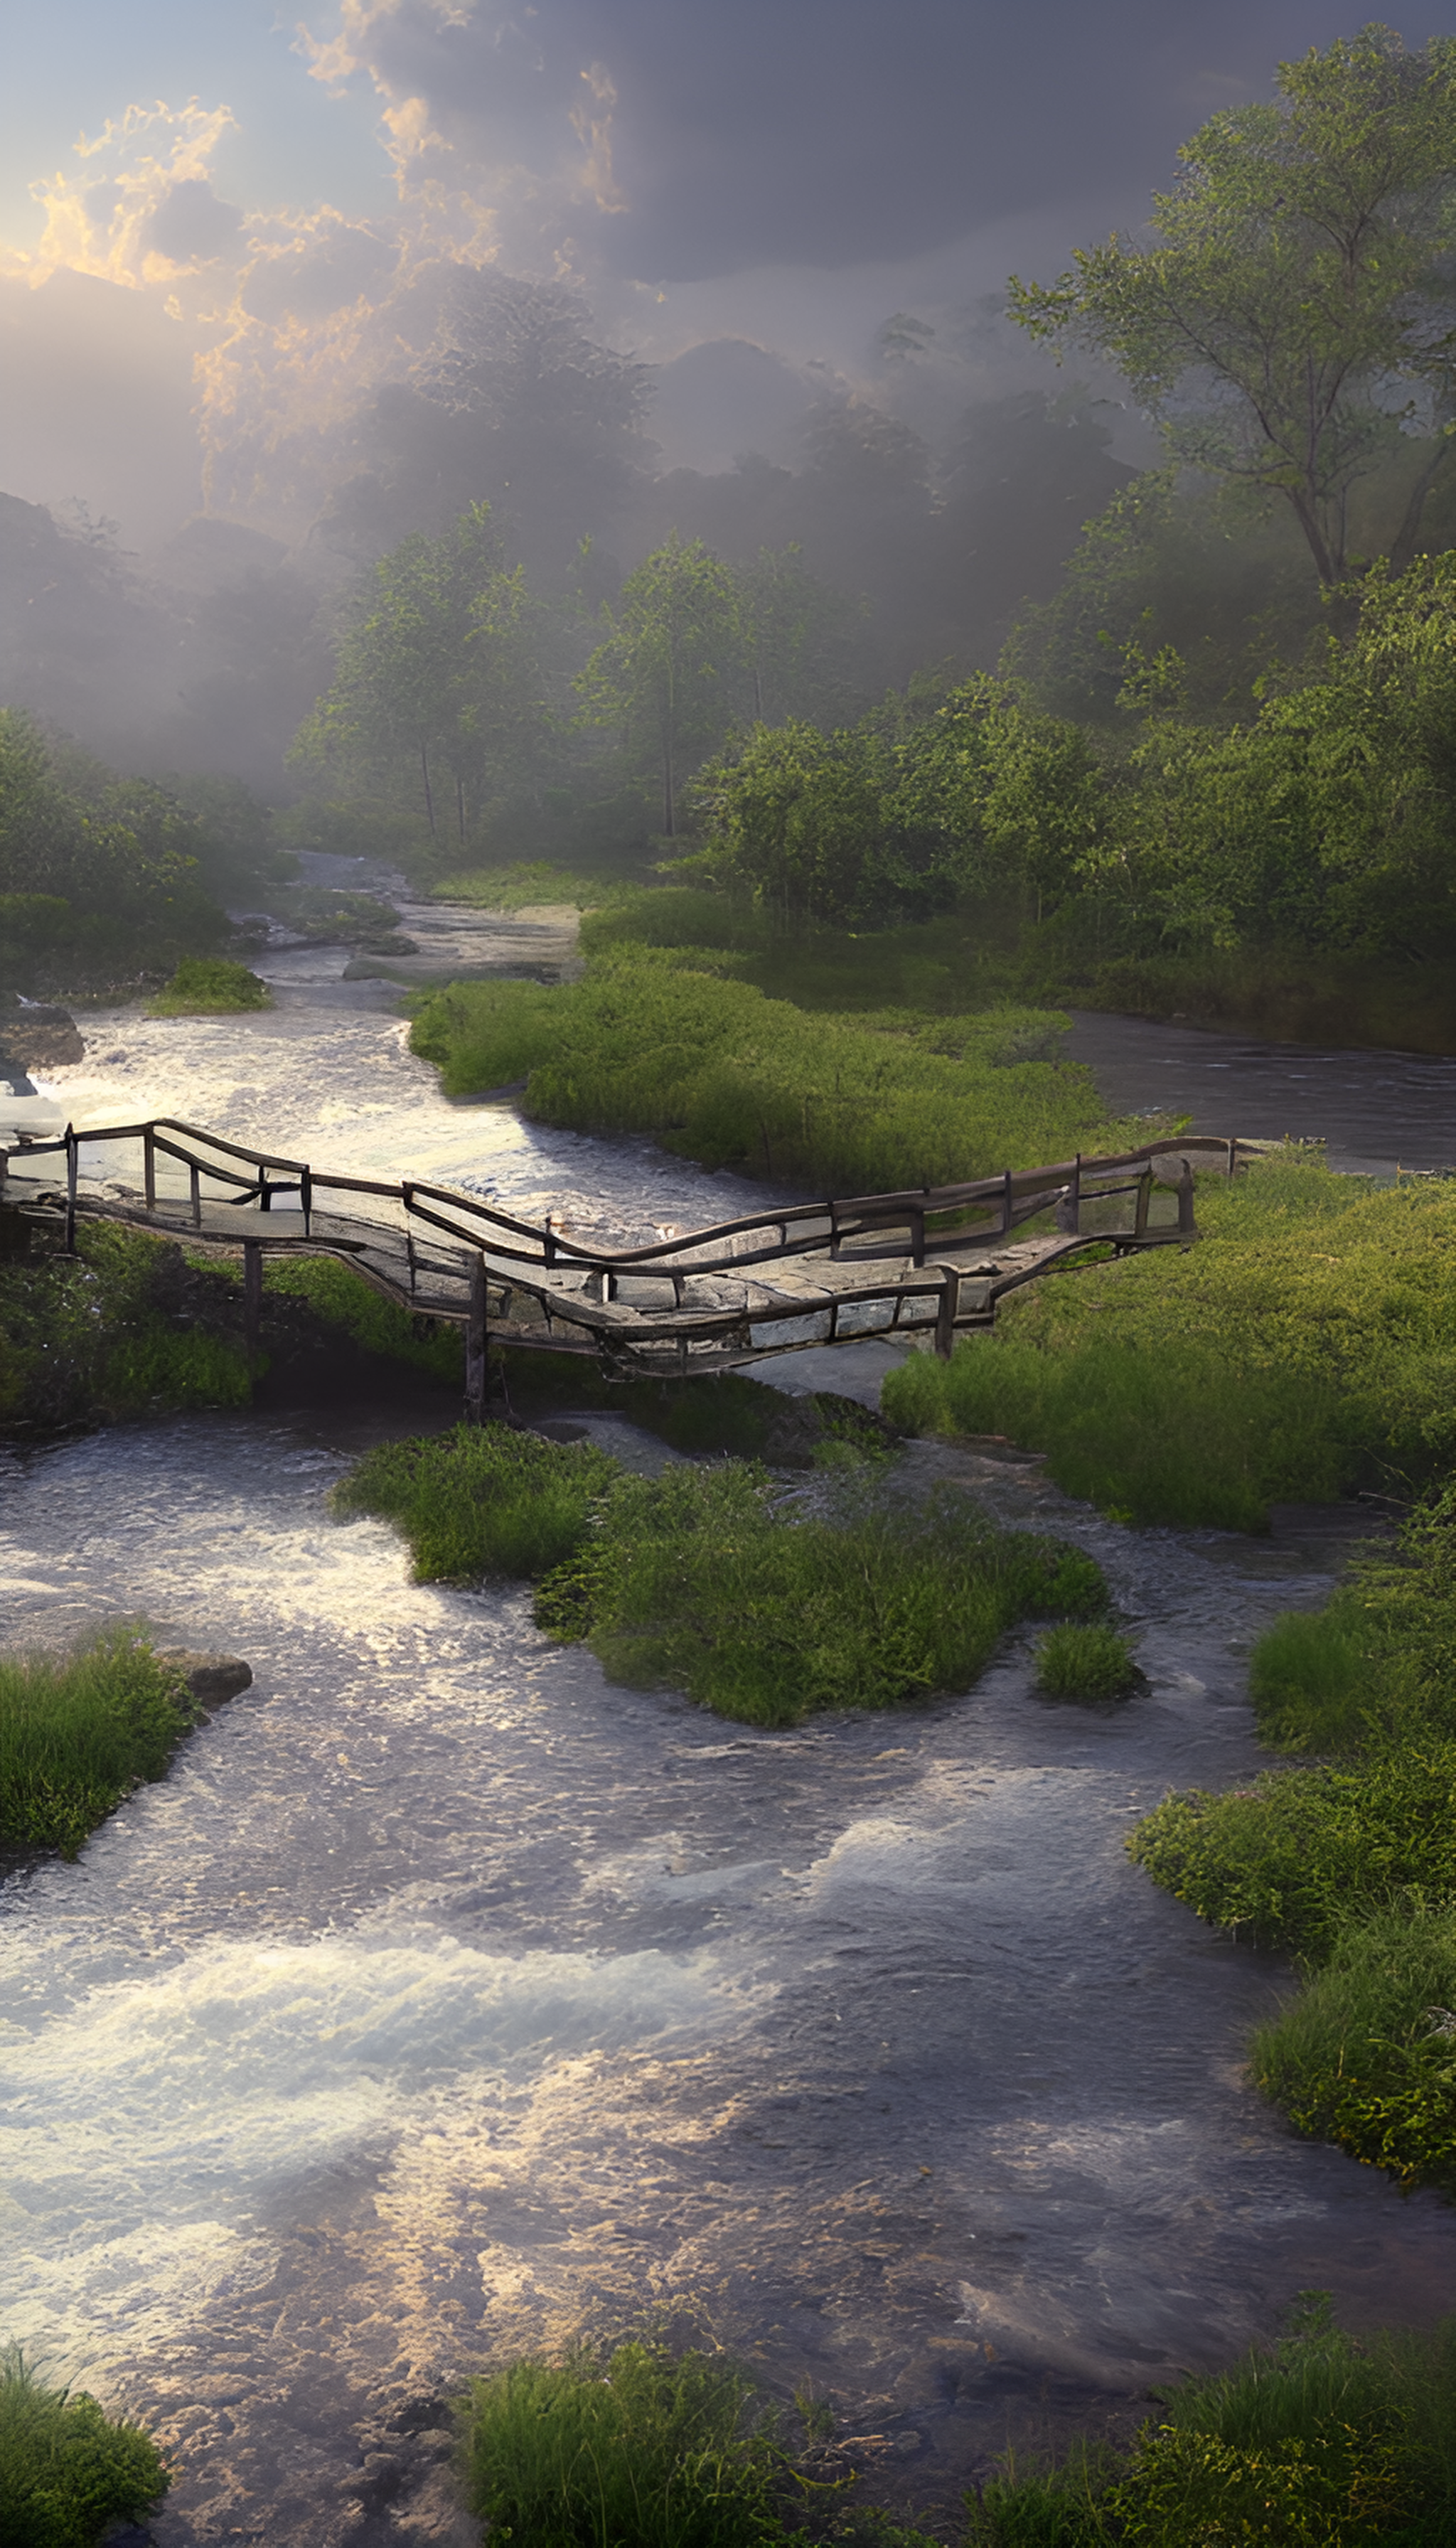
point(1294, 308)
point(439, 661)
point(666, 672)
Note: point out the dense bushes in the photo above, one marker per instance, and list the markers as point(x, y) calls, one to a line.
point(78, 1732)
point(68, 2470)
point(702, 1580)
point(117, 1329)
point(210, 986)
point(663, 1040)
point(1321, 2442)
point(1305, 1347)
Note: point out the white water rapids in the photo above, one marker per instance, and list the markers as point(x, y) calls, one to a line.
point(444, 1997)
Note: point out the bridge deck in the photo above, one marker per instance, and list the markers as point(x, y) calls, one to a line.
point(929, 1263)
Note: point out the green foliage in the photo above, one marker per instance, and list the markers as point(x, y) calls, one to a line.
point(439, 661)
point(1291, 1859)
point(334, 1292)
point(1305, 1347)
point(659, 1040)
point(67, 2469)
point(664, 674)
point(1309, 1684)
point(1087, 1661)
point(78, 1733)
point(480, 1500)
point(110, 1332)
point(1318, 2442)
point(1294, 284)
point(1366, 2055)
point(209, 986)
point(700, 1579)
point(630, 2446)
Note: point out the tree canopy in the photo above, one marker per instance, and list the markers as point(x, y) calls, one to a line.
point(1293, 307)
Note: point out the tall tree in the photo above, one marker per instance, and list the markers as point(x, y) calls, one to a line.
point(667, 671)
point(1293, 305)
point(437, 666)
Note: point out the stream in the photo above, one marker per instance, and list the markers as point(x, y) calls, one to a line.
point(444, 1999)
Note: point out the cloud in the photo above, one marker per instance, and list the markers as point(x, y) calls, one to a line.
point(190, 226)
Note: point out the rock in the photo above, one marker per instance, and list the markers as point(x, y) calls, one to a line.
point(41, 1036)
point(210, 1677)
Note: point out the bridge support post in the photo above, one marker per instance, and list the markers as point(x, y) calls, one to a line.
point(148, 1167)
point(475, 1346)
point(252, 1297)
point(946, 1308)
point(1186, 1228)
point(73, 1162)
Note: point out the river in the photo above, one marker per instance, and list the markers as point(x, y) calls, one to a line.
point(445, 1998)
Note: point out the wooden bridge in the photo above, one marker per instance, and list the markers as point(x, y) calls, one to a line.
point(926, 1265)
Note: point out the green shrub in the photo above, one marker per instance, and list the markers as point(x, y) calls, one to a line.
point(78, 1732)
point(1309, 1683)
point(110, 1332)
point(698, 1580)
point(1291, 1859)
point(629, 2448)
point(66, 2468)
point(1318, 2442)
point(1085, 1661)
point(1379, 1661)
point(1305, 1347)
point(1366, 2055)
point(210, 986)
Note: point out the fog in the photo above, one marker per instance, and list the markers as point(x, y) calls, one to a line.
point(737, 274)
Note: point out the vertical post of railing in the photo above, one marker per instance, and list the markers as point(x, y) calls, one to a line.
point(1075, 1199)
point(1233, 1156)
point(1006, 1205)
point(265, 1191)
point(916, 1236)
point(194, 1177)
point(306, 1198)
point(1186, 1228)
point(148, 1167)
point(475, 1346)
point(1144, 1198)
point(252, 1297)
point(72, 1160)
point(946, 1308)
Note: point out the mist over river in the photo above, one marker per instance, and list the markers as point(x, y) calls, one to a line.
point(444, 1997)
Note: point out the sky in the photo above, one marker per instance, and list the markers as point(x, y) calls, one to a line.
point(203, 202)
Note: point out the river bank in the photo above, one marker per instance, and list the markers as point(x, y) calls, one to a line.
point(444, 1998)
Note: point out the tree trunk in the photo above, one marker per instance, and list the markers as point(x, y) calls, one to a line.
point(1403, 546)
point(430, 802)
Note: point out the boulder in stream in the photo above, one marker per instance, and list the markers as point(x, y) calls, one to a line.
point(211, 1678)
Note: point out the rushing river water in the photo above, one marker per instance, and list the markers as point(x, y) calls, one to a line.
point(445, 1997)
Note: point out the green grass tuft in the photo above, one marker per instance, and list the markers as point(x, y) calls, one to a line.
point(1303, 1348)
point(67, 2469)
point(1366, 2055)
point(1087, 1661)
point(626, 2449)
point(703, 1581)
point(78, 1732)
point(210, 986)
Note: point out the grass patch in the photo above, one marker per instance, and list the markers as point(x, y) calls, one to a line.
point(210, 986)
point(1305, 1347)
point(1318, 2442)
point(78, 1732)
point(67, 2469)
point(1366, 2055)
point(704, 1581)
point(1085, 1659)
point(630, 2447)
point(664, 1041)
point(522, 883)
point(124, 1327)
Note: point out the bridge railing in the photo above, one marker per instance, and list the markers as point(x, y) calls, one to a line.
point(946, 1219)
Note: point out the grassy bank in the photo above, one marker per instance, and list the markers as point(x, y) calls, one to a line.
point(78, 1732)
point(706, 1581)
point(209, 986)
point(67, 2469)
point(1349, 1862)
point(682, 1042)
point(1320, 2442)
point(1304, 1349)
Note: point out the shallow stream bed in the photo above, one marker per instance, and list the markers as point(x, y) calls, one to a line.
point(444, 1997)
